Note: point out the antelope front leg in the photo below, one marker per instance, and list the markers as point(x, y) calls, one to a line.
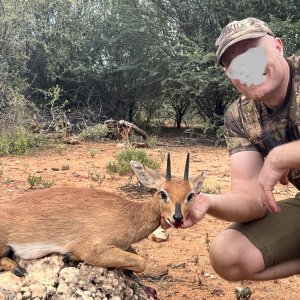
point(111, 257)
point(7, 264)
point(131, 250)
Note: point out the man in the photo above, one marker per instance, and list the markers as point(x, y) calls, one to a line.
point(261, 131)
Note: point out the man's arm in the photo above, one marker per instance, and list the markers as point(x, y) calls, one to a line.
point(276, 169)
point(242, 203)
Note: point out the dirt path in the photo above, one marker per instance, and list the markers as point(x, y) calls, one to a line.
point(185, 253)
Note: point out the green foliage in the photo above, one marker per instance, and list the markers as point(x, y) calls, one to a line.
point(207, 242)
point(34, 181)
point(92, 152)
point(20, 141)
point(151, 141)
point(121, 164)
point(47, 184)
point(146, 61)
point(214, 128)
point(97, 177)
point(288, 30)
point(112, 167)
point(8, 181)
point(216, 190)
point(155, 131)
point(94, 133)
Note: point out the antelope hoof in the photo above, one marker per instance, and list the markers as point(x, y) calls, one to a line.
point(19, 271)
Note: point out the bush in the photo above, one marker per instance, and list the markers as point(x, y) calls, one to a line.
point(151, 141)
point(94, 133)
point(121, 164)
point(19, 141)
point(35, 181)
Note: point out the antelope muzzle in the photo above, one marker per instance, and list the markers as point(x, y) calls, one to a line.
point(178, 217)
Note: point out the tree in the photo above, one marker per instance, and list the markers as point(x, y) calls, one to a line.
point(126, 59)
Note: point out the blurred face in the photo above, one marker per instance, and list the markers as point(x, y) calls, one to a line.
point(256, 66)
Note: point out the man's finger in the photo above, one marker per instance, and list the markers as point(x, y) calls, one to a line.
point(269, 201)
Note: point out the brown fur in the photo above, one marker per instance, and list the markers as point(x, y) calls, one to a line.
point(90, 225)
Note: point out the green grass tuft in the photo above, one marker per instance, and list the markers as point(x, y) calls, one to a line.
point(121, 164)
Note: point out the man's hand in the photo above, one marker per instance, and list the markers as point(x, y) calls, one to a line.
point(198, 208)
point(269, 176)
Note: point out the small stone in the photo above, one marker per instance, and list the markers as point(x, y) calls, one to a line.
point(62, 289)
point(19, 296)
point(160, 235)
point(37, 291)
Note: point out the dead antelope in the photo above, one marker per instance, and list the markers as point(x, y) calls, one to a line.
point(89, 225)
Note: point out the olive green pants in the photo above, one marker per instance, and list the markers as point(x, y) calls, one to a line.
point(277, 235)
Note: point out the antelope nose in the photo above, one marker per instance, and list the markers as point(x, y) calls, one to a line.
point(177, 217)
point(178, 214)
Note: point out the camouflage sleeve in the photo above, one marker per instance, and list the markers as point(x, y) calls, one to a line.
point(235, 137)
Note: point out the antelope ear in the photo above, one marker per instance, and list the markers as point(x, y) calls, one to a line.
point(146, 176)
point(197, 182)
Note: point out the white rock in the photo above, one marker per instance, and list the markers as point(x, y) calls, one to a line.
point(10, 281)
point(37, 290)
point(159, 235)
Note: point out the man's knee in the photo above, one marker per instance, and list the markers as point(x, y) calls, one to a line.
point(234, 257)
point(222, 255)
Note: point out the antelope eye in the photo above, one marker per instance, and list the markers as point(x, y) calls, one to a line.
point(164, 196)
point(190, 197)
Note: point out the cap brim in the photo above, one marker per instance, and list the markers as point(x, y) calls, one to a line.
point(252, 35)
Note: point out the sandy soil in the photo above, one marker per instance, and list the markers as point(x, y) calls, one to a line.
point(185, 253)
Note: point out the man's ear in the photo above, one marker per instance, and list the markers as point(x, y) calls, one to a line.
point(279, 45)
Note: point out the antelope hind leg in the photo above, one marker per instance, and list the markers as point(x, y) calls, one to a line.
point(111, 257)
point(71, 258)
point(7, 264)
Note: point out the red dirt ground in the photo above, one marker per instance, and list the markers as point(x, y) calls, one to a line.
point(185, 254)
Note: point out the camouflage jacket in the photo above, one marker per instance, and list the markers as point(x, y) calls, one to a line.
point(250, 126)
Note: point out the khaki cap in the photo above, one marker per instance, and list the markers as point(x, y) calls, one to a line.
point(236, 31)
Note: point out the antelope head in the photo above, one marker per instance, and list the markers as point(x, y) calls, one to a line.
point(173, 194)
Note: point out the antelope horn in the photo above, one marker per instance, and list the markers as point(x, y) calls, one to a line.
point(168, 174)
point(186, 169)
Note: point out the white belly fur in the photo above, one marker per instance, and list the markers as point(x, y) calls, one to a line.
point(33, 251)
